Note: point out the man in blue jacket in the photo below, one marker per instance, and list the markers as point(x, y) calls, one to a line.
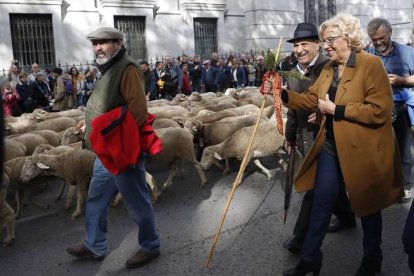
point(209, 77)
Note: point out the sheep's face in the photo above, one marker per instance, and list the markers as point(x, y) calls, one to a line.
point(178, 99)
point(71, 136)
point(207, 159)
point(191, 127)
point(29, 171)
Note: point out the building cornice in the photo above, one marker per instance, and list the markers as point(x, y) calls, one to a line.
point(218, 5)
point(149, 4)
point(32, 2)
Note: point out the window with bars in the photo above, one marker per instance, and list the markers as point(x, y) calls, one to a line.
point(317, 11)
point(133, 28)
point(205, 36)
point(32, 39)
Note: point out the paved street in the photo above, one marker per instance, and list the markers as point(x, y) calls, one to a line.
point(187, 218)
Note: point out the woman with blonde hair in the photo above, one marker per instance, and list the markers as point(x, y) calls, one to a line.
point(77, 79)
point(355, 148)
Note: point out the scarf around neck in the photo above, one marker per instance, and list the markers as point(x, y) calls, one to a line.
point(103, 67)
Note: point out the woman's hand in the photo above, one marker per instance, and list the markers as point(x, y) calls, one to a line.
point(327, 106)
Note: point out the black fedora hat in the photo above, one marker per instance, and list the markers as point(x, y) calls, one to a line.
point(304, 30)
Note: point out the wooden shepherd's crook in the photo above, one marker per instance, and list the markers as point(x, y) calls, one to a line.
point(240, 173)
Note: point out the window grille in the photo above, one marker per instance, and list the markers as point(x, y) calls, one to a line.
point(317, 11)
point(205, 36)
point(32, 39)
point(133, 28)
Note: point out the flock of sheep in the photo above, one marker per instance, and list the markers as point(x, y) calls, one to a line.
point(203, 129)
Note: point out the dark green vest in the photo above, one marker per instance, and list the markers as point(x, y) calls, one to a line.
point(107, 94)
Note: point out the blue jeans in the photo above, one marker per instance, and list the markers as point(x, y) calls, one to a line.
point(408, 238)
point(133, 187)
point(79, 101)
point(328, 185)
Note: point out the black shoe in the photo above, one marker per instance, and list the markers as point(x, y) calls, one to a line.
point(302, 269)
point(337, 225)
point(369, 267)
point(294, 244)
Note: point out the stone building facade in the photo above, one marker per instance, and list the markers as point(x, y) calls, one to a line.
point(54, 31)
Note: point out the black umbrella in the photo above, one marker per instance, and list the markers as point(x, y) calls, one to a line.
point(290, 171)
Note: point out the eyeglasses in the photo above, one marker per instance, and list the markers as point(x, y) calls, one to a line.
point(330, 40)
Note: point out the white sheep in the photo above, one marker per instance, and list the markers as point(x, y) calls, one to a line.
point(42, 115)
point(7, 215)
point(53, 138)
point(71, 135)
point(30, 140)
point(197, 96)
point(257, 100)
point(160, 102)
point(177, 144)
point(74, 166)
point(55, 124)
point(168, 111)
point(218, 131)
point(267, 142)
point(13, 149)
point(164, 123)
point(213, 106)
point(24, 191)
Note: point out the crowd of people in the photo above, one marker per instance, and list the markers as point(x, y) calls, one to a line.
point(169, 77)
point(189, 74)
point(51, 90)
point(343, 118)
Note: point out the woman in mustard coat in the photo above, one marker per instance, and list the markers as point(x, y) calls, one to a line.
point(355, 143)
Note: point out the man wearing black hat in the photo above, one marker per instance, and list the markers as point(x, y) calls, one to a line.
point(302, 128)
point(121, 84)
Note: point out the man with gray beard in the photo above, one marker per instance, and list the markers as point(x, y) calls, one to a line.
point(121, 84)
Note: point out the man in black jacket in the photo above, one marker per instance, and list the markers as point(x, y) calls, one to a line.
point(302, 127)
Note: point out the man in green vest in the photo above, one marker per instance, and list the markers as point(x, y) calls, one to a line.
point(121, 83)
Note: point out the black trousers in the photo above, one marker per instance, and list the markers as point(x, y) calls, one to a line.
point(404, 138)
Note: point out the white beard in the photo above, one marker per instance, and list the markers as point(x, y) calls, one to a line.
point(104, 58)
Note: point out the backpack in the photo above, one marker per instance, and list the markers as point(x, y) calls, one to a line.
point(68, 86)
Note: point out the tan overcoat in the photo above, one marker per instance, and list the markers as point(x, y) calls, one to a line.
point(365, 140)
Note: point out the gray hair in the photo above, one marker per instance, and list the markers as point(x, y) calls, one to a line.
point(376, 23)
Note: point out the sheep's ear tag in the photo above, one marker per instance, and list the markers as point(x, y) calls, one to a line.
point(76, 132)
point(194, 128)
point(42, 166)
point(38, 117)
point(217, 156)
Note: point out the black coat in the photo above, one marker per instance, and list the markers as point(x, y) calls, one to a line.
point(297, 127)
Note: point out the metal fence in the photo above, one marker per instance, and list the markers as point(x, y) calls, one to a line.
point(66, 65)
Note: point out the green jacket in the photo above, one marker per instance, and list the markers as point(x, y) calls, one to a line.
point(106, 94)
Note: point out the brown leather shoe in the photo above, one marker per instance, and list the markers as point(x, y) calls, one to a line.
point(81, 251)
point(141, 258)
